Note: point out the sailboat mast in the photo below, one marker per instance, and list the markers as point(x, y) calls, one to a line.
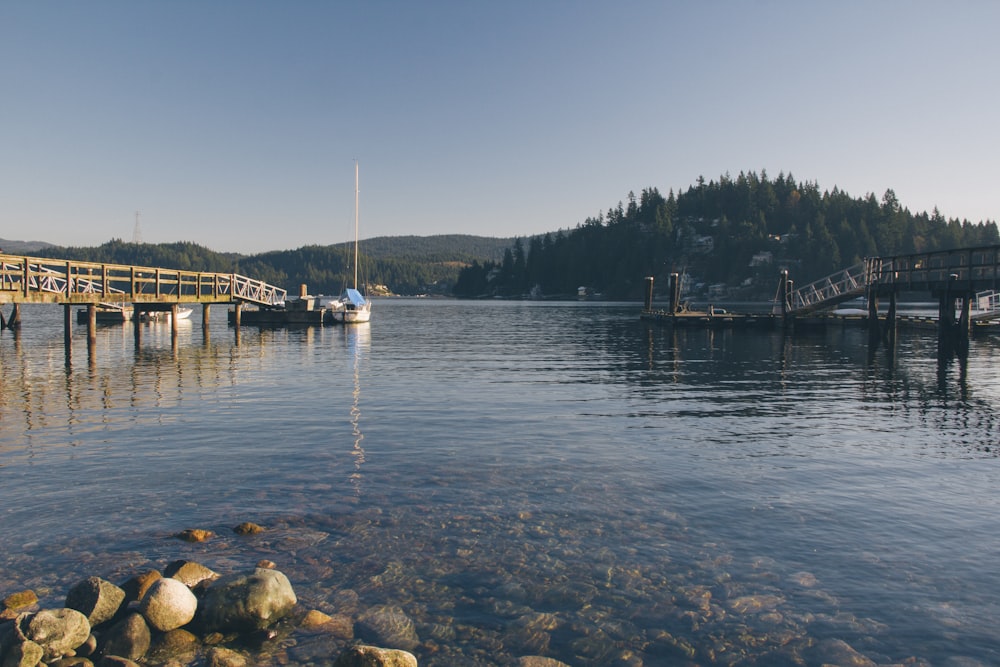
point(357, 198)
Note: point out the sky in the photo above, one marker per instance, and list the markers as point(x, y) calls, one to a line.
point(236, 124)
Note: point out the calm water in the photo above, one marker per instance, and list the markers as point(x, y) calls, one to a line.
point(527, 479)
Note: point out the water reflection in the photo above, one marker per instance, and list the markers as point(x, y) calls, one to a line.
point(358, 338)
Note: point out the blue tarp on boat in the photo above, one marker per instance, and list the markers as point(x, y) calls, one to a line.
point(353, 297)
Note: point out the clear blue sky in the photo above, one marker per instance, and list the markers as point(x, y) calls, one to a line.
point(235, 124)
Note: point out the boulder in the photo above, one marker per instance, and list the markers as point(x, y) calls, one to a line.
point(129, 638)
point(95, 598)
point(57, 631)
point(247, 602)
point(168, 604)
point(116, 661)
point(177, 646)
point(135, 588)
point(372, 656)
point(189, 572)
point(23, 654)
point(388, 626)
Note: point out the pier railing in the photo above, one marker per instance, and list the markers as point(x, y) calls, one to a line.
point(38, 280)
point(842, 286)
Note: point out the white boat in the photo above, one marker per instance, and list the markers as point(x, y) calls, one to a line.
point(353, 306)
point(164, 315)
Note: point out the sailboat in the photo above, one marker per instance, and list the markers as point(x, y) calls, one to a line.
point(353, 307)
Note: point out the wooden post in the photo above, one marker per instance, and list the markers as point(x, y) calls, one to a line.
point(237, 313)
point(874, 328)
point(137, 325)
point(14, 321)
point(890, 322)
point(675, 293)
point(648, 303)
point(67, 325)
point(91, 323)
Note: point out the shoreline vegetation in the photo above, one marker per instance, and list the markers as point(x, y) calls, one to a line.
point(729, 238)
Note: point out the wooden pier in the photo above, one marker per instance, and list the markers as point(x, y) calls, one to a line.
point(116, 287)
point(955, 279)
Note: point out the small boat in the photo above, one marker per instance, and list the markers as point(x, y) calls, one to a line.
point(164, 315)
point(353, 307)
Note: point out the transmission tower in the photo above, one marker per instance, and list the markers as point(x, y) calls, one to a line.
point(137, 231)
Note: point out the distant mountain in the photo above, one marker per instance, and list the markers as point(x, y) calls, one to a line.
point(23, 247)
point(440, 248)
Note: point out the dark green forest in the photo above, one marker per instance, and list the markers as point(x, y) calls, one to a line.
point(405, 264)
point(729, 237)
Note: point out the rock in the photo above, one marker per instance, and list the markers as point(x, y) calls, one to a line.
point(267, 564)
point(116, 661)
point(57, 631)
point(75, 661)
point(839, 652)
point(177, 646)
point(388, 626)
point(340, 625)
point(248, 528)
point(168, 604)
point(88, 647)
point(136, 587)
point(372, 656)
point(20, 600)
point(247, 602)
point(23, 654)
point(194, 535)
point(95, 598)
point(225, 657)
point(539, 661)
point(129, 638)
point(189, 573)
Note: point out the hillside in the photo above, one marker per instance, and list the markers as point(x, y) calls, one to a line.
point(406, 264)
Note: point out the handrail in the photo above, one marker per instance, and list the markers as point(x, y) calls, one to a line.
point(39, 279)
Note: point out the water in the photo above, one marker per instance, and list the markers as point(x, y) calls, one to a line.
point(526, 479)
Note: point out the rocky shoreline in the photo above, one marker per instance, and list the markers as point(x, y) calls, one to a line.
point(184, 615)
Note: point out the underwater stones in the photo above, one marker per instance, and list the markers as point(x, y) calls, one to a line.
point(340, 626)
point(57, 631)
point(177, 646)
point(95, 598)
point(248, 528)
point(839, 652)
point(194, 535)
point(388, 626)
point(168, 604)
point(219, 656)
point(247, 602)
point(539, 661)
point(20, 600)
point(372, 656)
point(129, 638)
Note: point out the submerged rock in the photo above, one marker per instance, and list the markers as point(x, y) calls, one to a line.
point(247, 602)
point(372, 656)
point(388, 626)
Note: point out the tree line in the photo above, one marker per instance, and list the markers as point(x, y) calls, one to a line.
point(733, 234)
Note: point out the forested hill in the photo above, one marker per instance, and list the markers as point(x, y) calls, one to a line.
point(728, 238)
point(406, 264)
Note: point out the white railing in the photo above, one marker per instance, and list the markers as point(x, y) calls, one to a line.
point(31, 278)
point(840, 286)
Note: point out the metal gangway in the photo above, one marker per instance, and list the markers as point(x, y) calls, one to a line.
point(111, 286)
point(844, 285)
